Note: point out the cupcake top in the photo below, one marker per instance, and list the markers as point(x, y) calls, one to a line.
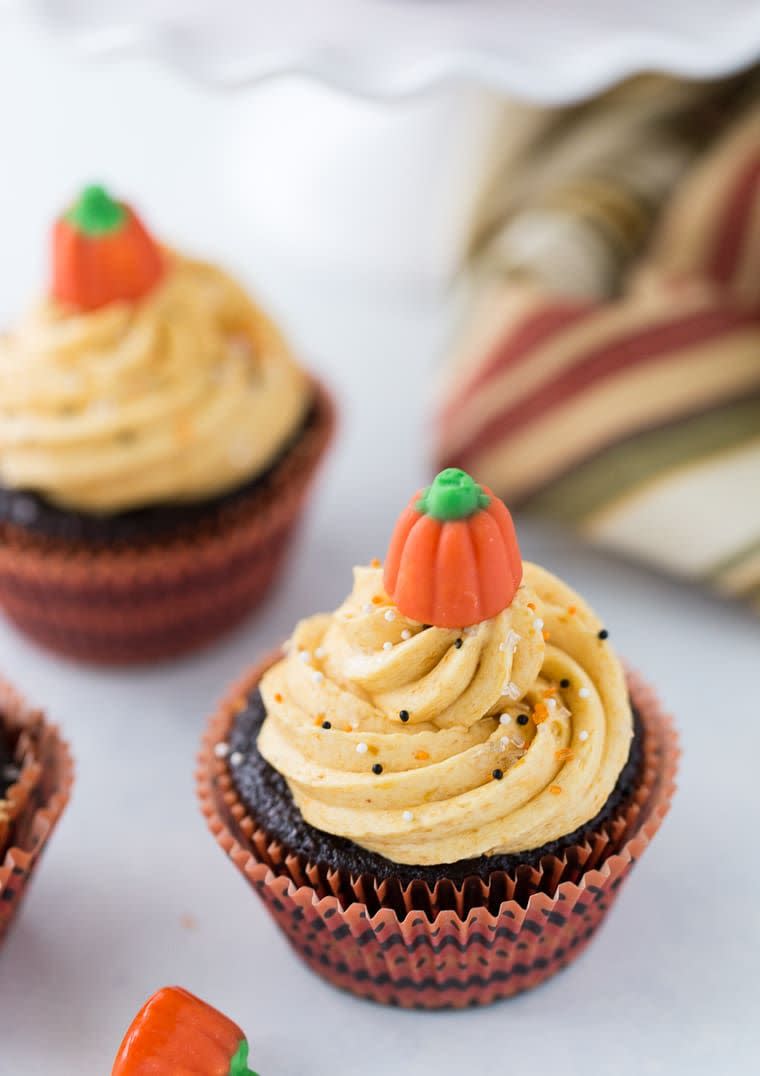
point(144, 377)
point(459, 703)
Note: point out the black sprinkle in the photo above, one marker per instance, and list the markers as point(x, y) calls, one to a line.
point(564, 682)
point(522, 719)
point(458, 644)
point(497, 775)
point(603, 634)
point(377, 768)
point(326, 725)
point(404, 715)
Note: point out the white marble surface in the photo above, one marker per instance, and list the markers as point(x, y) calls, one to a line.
point(133, 892)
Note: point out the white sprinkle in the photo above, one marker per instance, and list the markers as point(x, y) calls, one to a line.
point(390, 614)
point(504, 719)
point(583, 735)
point(406, 634)
point(538, 623)
point(584, 692)
point(408, 816)
point(317, 676)
point(511, 690)
point(320, 653)
point(551, 702)
point(361, 749)
point(504, 742)
point(222, 750)
point(236, 758)
point(304, 656)
point(354, 722)
point(387, 645)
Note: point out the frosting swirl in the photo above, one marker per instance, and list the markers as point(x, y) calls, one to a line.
point(183, 395)
point(431, 745)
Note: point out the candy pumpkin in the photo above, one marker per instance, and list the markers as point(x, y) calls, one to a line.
point(453, 558)
point(102, 254)
point(177, 1034)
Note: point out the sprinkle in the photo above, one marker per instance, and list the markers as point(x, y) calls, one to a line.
point(603, 634)
point(407, 816)
point(584, 693)
point(546, 635)
point(571, 610)
point(564, 682)
point(504, 743)
point(406, 634)
point(317, 676)
point(458, 643)
point(389, 615)
point(361, 749)
point(236, 758)
point(374, 563)
point(304, 656)
point(555, 790)
point(583, 735)
point(551, 703)
point(511, 690)
point(277, 696)
point(377, 599)
point(404, 715)
point(348, 728)
point(377, 768)
point(320, 653)
point(326, 725)
point(497, 774)
point(354, 722)
point(538, 623)
point(522, 719)
point(532, 606)
point(222, 750)
point(541, 711)
point(421, 755)
point(504, 719)
point(387, 645)
point(564, 754)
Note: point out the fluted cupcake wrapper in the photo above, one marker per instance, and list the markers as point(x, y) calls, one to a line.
point(131, 603)
point(34, 803)
point(453, 945)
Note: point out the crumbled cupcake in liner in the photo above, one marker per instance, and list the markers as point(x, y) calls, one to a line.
point(454, 945)
point(136, 602)
point(33, 803)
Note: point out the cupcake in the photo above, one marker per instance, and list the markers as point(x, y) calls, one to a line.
point(157, 441)
point(36, 774)
point(439, 788)
point(175, 1032)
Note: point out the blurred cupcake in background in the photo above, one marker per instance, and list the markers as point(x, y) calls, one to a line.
point(36, 774)
point(157, 440)
point(439, 788)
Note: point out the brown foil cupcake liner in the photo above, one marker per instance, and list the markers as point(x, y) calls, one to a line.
point(34, 803)
point(452, 945)
point(123, 604)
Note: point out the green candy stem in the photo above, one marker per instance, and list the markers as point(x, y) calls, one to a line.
point(239, 1063)
point(96, 213)
point(452, 495)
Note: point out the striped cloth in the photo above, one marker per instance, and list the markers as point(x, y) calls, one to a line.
point(636, 420)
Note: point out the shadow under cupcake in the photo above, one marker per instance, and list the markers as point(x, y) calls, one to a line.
point(439, 788)
point(157, 444)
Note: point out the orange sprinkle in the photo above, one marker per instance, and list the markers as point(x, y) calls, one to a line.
point(564, 754)
point(555, 790)
point(347, 728)
point(374, 563)
point(547, 635)
point(571, 610)
point(421, 755)
point(540, 712)
point(531, 606)
point(277, 696)
point(377, 600)
point(550, 692)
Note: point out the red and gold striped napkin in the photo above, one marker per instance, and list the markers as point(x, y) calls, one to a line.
point(636, 419)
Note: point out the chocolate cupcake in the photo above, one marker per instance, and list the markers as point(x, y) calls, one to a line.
point(36, 774)
point(440, 787)
point(157, 441)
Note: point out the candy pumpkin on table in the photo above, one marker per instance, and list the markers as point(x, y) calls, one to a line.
point(177, 1034)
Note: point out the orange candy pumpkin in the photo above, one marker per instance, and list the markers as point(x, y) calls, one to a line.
point(102, 254)
point(177, 1034)
point(453, 558)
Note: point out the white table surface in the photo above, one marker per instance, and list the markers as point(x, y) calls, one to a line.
point(133, 892)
